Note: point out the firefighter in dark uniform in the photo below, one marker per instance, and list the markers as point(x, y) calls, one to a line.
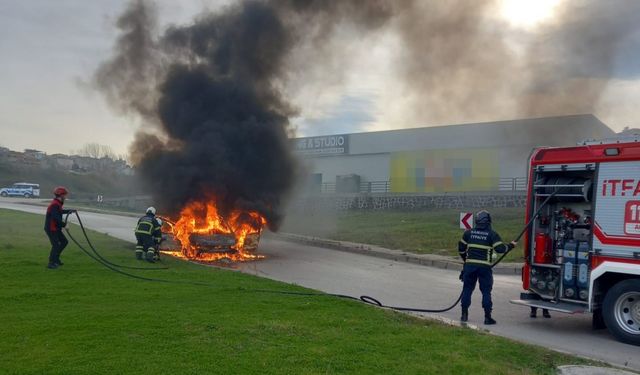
point(476, 250)
point(148, 236)
point(53, 225)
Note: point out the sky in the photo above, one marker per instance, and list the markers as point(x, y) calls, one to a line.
point(49, 51)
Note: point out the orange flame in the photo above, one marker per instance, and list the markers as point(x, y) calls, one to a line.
point(241, 228)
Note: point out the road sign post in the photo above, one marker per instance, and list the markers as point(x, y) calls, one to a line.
point(466, 220)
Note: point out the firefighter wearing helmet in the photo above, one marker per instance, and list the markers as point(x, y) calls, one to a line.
point(53, 225)
point(148, 236)
point(476, 249)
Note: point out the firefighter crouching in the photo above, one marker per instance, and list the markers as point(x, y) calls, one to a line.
point(148, 236)
point(476, 249)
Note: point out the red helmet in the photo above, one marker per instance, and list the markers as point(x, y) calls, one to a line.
point(60, 190)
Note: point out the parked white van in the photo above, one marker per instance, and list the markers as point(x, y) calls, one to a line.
point(21, 189)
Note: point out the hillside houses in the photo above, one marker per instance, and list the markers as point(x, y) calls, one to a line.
point(71, 163)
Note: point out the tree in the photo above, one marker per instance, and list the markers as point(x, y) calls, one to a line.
point(124, 157)
point(96, 150)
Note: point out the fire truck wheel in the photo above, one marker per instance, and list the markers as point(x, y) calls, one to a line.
point(621, 310)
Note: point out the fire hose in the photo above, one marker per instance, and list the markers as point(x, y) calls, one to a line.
point(373, 301)
point(364, 298)
point(96, 255)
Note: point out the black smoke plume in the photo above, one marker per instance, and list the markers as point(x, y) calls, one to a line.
point(213, 90)
point(209, 89)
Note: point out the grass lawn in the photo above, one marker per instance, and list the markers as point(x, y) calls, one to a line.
point(84, 318)
point(85, 205)
point(432, 232)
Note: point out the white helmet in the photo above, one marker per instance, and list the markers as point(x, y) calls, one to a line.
point(151, 210)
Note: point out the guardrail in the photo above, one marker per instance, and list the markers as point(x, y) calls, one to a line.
point(504, 184)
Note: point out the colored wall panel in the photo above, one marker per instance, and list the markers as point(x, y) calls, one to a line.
point(445, 170)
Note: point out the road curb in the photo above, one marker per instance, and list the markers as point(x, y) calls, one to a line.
point(429, 260)
point(591, 370)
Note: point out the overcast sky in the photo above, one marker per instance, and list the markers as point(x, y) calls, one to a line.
point(50, 49)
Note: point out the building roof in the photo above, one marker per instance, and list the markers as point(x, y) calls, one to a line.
point(545, 131)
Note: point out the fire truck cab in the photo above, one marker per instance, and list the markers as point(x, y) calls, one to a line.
point(582, 250)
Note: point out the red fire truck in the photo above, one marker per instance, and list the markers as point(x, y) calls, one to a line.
point(582, 250)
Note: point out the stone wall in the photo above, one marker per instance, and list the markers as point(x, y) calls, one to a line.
point(336, 202)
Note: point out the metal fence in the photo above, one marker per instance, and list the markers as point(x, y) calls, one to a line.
point(512, 184)
point(375, 187)
point(328, 187)
point(365, 187)
point(504, 184)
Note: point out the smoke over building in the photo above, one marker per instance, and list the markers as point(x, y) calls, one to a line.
point(211, 94)
point(216, 95)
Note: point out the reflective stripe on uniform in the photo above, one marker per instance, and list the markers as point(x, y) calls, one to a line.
point(144, 228)
point(487, 253)
point(464, 242)
point(498, 243)
point(478, 261)
point(481, 247)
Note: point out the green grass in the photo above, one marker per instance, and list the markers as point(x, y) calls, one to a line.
point(86, 319)
point(88, 206)
point(425, 232)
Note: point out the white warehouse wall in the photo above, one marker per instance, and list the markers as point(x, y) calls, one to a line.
point(462, 157)
point(373, 167)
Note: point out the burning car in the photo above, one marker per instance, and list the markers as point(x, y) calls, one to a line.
point(201, 233)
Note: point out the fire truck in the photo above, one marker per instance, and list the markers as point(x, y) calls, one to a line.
point(582, 249)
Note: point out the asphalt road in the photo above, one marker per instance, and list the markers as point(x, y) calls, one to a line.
point(404, 284)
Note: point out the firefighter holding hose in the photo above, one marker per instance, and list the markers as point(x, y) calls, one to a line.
point(148, 236)
point(476, 249)
point(53, 225)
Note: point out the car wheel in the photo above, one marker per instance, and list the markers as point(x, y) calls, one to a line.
point(4, 194)
point(621, 310)
point(27, 195)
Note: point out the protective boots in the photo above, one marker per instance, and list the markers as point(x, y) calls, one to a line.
point(465, 315)
point(488, 320)
point(534, 313)
point(150, 255)
point(139, 252)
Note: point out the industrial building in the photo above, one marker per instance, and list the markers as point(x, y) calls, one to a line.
point(489, 156)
